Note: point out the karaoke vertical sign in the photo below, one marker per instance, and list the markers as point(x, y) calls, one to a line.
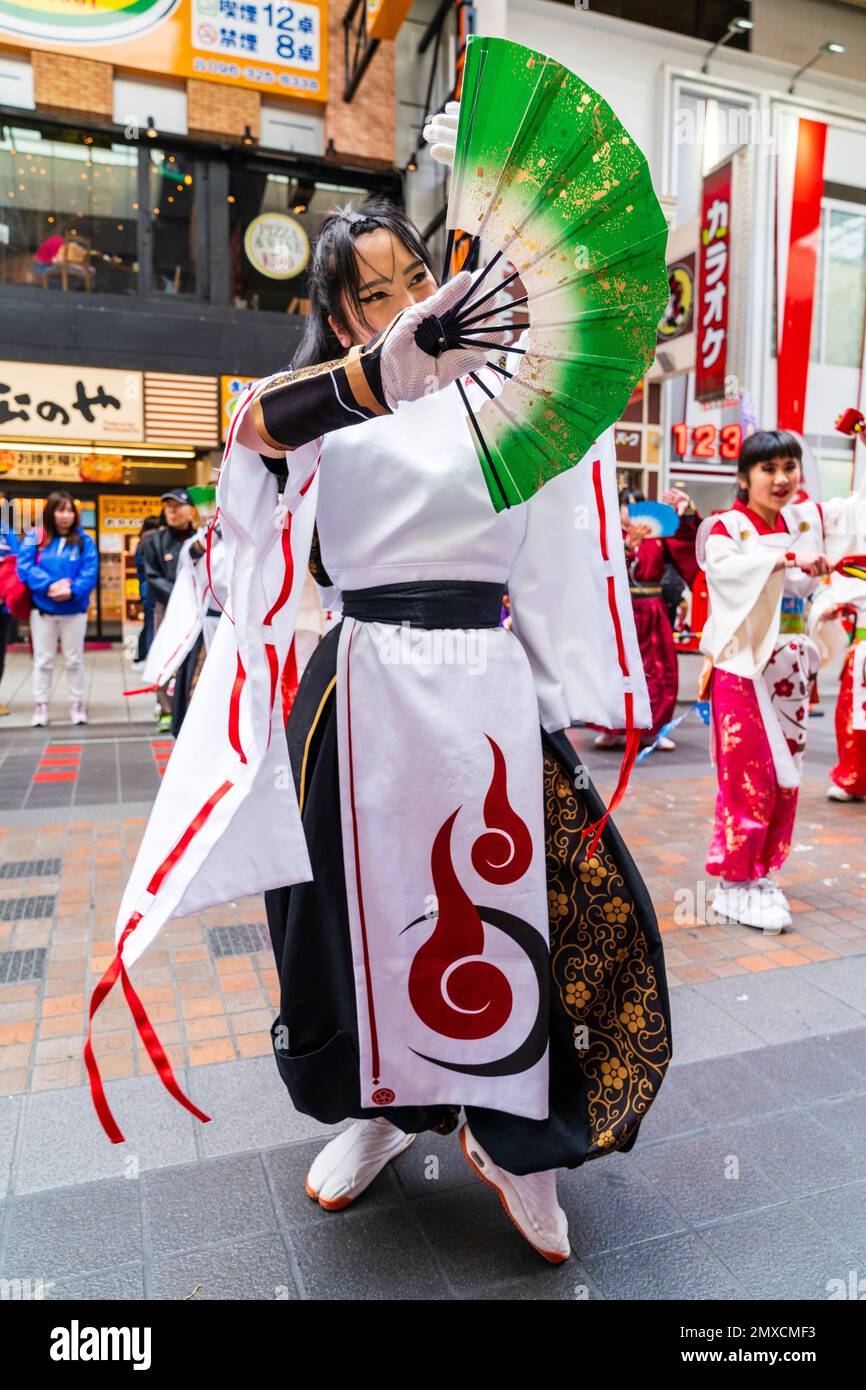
point(714, 281)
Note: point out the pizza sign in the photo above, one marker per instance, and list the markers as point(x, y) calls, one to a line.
point(277, 246)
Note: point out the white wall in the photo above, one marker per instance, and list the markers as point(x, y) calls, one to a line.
point(137, 101)
point(627, 62)
point(284, 128)
point(16, 82)
point(633, 66)
point(792, 31)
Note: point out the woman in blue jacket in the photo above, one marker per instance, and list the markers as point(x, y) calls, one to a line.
point(8, 551)
point(59, 564)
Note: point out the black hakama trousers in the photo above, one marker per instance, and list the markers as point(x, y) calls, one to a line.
point(609, 1017)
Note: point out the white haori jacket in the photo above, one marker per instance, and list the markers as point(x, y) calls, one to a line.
point(742, 630)
point(431, 752)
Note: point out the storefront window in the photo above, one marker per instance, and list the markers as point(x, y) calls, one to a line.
point(68, 211)
point(172, 193)
point(840, 288)
point(273, 219)
point(706, 131)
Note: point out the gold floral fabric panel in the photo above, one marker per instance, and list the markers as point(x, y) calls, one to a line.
point(602, 971)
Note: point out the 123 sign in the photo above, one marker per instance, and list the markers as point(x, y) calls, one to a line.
point(707, 441)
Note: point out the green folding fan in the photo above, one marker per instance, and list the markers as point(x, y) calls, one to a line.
point(545, 173)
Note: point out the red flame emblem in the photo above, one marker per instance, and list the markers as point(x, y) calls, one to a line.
point(451, 990)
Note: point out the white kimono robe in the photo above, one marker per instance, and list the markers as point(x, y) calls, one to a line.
point(402, 498)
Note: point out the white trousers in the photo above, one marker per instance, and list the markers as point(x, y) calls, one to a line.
point(46, 629)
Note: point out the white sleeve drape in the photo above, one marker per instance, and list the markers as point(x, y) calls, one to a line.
point(745, 602)
point(561, 591)
point(225, 823)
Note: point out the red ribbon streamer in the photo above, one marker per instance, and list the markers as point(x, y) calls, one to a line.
point(632, 738)
point(207, 543)
point(117, 968)
point(235, 711)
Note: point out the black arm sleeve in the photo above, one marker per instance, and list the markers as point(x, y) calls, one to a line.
point(293, 409)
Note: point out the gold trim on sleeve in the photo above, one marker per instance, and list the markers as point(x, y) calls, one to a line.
point(359, 385)
point(259, 422)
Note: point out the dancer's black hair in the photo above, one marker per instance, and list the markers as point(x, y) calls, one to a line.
point(334, 273)
point(630, 494)
point(762, 447)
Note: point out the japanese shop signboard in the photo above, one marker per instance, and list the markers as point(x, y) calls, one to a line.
point(273, 47)
point(385, 17)
point(70, 404)
point(714, 281)
point(231, 390)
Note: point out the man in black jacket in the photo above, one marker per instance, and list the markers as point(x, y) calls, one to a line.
point(160, 551)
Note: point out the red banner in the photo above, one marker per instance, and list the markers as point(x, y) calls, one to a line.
point(800, 281)
point(714, 279)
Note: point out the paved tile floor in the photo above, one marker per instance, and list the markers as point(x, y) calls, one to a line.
point(748, 1180)
point(108, 672)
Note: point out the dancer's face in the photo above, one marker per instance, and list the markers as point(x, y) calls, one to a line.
point(392, 278)
point(774, 482)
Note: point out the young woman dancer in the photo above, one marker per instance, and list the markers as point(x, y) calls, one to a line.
point(763, 559)
point(450, 937)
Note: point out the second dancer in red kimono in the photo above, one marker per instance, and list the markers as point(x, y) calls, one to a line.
point(647, 558)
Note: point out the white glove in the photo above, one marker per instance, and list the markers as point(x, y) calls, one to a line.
point(440, 132)
point(408, 372)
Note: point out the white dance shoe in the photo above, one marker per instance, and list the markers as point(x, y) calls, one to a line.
point(752, 905)
point(608, 741)
point(835, 793)
point(530, 1201)
point(769, 885)
point(346, 1167)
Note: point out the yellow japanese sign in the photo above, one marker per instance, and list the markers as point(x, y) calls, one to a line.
point(385, 17)
point(273, 47)
point(231, 390)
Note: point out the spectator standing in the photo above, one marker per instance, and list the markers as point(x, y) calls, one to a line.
point(148, 526)
point(160, 551)
point(59, 564)
point(8, 551)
